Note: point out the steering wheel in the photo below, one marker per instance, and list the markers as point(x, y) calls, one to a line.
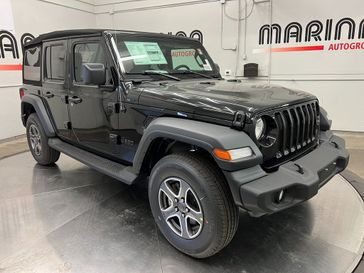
point(182, 66)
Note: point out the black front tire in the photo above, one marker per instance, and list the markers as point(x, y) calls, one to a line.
point(219, 213)
point(38, 142)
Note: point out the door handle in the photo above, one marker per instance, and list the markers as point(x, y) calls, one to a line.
point(49, 95)
point(75, 100)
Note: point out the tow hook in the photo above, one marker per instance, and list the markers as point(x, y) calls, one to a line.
point(335, 144)
point(300, 169)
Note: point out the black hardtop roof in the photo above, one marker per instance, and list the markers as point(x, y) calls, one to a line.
point(91, 32)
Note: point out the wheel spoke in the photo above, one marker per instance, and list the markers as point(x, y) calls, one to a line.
point(168, 191)
point(197, 216)
point(168, 212)
point(36, 149)
point(194, 213)
point(39, 147)
point(183, 189)
point(179, 229)
point(31, 131)
point(184, 227)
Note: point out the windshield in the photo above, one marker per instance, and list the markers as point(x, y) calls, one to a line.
point(153, 56)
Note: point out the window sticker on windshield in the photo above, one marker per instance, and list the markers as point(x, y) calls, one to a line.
point(145, 53)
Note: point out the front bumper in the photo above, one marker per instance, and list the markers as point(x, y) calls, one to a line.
point(257, 191)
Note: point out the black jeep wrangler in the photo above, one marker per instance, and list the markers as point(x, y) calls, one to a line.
point(153, 107)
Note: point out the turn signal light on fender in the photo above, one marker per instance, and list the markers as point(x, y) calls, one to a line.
point(224, 155)
point(234, 154)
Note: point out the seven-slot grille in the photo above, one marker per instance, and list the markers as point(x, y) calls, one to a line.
point(296, 133)
point(298, 127)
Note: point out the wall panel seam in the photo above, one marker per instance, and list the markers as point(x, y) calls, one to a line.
point(10, 85)
point(180, 4)
point(174, 5)
point(66, 6)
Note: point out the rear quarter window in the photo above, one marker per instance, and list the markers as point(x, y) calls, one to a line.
point(32, 65)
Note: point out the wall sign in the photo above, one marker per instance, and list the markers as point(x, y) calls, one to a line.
point(196, 34)
point(314, 31)
point(9, 49)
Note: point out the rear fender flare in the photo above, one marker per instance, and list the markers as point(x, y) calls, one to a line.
point(41, 111)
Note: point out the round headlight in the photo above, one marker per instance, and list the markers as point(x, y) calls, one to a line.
point(259, 128)
point(266, 131)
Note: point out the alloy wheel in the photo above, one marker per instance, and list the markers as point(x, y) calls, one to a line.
point(35, 139)
point(180, 207)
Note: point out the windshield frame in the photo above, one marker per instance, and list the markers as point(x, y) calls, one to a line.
point(124, 36)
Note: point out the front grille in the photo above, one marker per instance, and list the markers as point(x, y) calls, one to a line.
point(297, 132)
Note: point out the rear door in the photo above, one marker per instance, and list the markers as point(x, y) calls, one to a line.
point(55, 85)
point(92, 108)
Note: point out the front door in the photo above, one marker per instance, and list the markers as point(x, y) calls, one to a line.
point(93, 116)
point(55, 85)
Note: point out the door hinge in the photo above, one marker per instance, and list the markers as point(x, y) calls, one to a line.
point(68, 125)
point(66, 99)
point(117, 108)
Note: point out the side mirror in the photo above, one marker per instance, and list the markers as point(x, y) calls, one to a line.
point(93, 73)
point(218, 68)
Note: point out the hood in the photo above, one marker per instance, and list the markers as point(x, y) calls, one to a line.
point(218, 99)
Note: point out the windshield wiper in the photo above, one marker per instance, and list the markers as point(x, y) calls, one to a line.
point(195, 73)
point(155, 72)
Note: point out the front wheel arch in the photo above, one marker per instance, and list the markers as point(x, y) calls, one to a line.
point(194, 133)
point(161, 147)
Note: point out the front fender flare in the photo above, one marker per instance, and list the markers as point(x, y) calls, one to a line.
point(204, 135)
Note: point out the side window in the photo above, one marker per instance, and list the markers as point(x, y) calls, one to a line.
point(86, 53)
point(32, 62)
point(55, 62)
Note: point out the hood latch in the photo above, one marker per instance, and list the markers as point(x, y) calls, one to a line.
point(239, 120)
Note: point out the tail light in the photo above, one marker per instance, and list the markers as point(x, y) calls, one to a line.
point(21, 92)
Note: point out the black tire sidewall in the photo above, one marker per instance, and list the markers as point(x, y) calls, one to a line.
point(212, 221)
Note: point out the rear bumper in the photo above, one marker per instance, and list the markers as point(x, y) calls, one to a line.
point(258, 191)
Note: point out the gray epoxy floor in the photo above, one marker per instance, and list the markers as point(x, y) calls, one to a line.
point(69, 218)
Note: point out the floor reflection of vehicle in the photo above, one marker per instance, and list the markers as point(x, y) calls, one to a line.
point(69, 218)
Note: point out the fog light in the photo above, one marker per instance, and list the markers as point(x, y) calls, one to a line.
point(280, 196)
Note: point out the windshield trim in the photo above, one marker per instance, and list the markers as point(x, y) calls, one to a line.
point(116, 51)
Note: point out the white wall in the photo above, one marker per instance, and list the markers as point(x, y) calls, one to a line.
point(336, 78)
point(35, 17)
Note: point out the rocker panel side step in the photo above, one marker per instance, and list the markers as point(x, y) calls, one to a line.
point(116, 170)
